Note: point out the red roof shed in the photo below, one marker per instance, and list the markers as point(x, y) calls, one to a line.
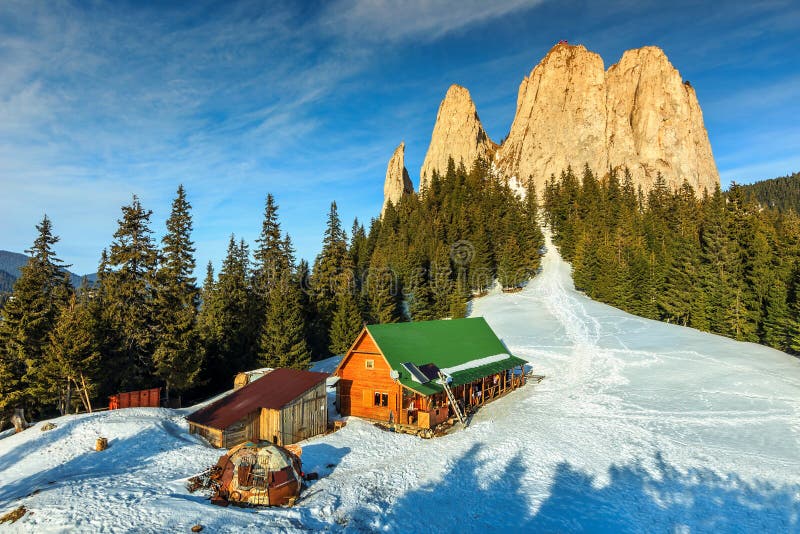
point(285, 406)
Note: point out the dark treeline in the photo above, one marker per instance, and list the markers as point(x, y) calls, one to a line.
point(718, 262)
point(782, 193)
point(148, 322)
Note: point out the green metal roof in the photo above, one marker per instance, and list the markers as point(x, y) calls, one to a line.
point(447, 344)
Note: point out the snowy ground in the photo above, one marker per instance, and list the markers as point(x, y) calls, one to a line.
point(639, 426)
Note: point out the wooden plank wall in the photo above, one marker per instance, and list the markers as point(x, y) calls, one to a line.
point(270, 425)
point(358, 383)
point(305, 417)
point(246, 429)
point(211, 435)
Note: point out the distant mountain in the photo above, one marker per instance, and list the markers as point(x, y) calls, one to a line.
point(12, 262)
point(6, 282)
point(780, 193)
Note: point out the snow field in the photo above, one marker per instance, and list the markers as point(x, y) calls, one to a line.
point(639, 426)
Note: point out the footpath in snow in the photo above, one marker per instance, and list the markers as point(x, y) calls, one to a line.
point(639, 426)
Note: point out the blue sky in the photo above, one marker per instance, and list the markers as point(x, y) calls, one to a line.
point(99, 101)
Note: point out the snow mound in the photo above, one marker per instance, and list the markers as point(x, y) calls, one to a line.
point(639, 426)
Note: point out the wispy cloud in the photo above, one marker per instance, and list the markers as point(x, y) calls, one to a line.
point(420, 20)
point(102, 100)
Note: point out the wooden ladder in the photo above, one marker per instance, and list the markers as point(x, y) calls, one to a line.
point(452, 399)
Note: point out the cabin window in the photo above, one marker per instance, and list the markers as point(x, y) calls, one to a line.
point(381, 399)
point(369, 364)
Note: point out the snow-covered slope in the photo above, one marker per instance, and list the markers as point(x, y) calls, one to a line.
point(639, 426)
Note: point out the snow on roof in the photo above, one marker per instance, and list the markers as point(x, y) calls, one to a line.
point(480, 362)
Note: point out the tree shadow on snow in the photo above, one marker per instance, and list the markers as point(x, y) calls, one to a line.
point(464, 501)
point(698, 500)
point(468, 499)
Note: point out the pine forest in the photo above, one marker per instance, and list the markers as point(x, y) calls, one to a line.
point(148, 321)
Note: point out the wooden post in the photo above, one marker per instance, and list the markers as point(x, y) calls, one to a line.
point(18, 419)
point(86, 394)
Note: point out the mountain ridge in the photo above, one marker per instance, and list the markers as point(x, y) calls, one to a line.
point(11, 264)
point(638, 114)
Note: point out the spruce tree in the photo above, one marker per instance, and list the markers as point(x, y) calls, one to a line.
point(481, 267)
point(73, 356)
point(333, 272)
point(510, 264)
point(128, 286)
point(230, 318)
point(420, 305)
point(347, 323)
point(381, 291)
point(283, 335)
point(441, 282)
point(270, 256)
point(27, 320)
point(178, 356)
point(532, 237)
point(458, 299)
point(793, 323)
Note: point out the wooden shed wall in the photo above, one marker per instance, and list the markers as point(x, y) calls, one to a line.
point(358, 383)
point(246, 429)
point(306, 416)
point(211, 435)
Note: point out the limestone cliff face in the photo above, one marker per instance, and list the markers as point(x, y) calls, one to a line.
point(560, 118)
point(639, 114)
point(654, 122)
point(458, 133)
point(397, 181)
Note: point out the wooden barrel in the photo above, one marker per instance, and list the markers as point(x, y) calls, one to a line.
point(101, 444)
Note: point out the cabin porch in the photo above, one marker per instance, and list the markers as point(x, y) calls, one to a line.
point(428, 411)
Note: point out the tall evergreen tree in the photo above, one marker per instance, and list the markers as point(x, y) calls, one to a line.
point(347, 323)
point(283, 336)
point(420, 305)
point(27, 320)
point(178, 356)
point(230, 320)
point(73, 357)
point(128, 286)
point(271, 258)
point(381, 291)
point(333, 272)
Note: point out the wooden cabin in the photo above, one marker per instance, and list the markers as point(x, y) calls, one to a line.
point(283, 407)
point(393, 372)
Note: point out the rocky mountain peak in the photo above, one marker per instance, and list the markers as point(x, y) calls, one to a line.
point(560, 118)
point(655, 124)
point(397, 181)
point(639, 114)
point(457, 133)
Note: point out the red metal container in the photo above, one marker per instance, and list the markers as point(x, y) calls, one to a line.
point(145, 398)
